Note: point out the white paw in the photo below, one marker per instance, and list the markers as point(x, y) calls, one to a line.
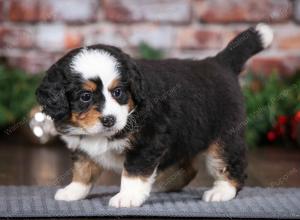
point(221, 191)
point(74, 191)
point(127, 200)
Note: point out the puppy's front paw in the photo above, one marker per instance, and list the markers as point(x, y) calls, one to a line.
point(222, 191)
point(74, 191)
point(127, 200)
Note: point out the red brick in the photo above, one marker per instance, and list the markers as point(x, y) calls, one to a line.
point(17, 36)
point(68, 10)
point(29, 11)
point(290, 42)
point(284, 64)
point(24, 10)
point(155, 35)
point(209, 39)
point(33, 62)
point(288, 37)
point(131, 36)
point(73, 39)
point(53, 10)
point(1, 10)
point(203, 38)
point(51, 37)
point(3, 31)
point(175, 11)
point(106, 34)
point(116, 12)
point(297, 11)
point(219, 11)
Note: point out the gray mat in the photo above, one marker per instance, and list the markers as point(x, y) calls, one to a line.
point(250, 203)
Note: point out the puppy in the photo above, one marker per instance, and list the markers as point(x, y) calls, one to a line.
point(150, 120)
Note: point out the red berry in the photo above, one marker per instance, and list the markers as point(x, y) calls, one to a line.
point(297, 116)
point(282, 119)
point(271, 136)
point(281, 130)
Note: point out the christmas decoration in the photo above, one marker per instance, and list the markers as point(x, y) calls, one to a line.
point(297, 116)
point(271, 136)
point(17, 95)
point(273, 109)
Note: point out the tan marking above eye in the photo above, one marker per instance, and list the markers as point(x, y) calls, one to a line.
point(90, 86)
point(86, 119)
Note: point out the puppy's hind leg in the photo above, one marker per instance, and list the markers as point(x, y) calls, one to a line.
point(226, 163)
point(174, 178)
point(85, 172)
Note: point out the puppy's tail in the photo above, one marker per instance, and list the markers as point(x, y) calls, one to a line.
point(244, 46)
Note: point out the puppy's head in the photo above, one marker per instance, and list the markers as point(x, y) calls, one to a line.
point(91, 91)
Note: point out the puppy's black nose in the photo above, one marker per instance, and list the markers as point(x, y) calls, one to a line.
point(108, 121)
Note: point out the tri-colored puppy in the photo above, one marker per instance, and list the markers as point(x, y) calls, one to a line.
point(149, 120)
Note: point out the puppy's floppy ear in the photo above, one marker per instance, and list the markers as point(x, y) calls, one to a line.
point(135, 81)
point(51, 95)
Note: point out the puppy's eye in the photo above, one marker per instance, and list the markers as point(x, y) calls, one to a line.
point(117, 92)
point(86, 97)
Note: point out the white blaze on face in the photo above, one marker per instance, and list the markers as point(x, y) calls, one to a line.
point(92, 63)
point(112, 107)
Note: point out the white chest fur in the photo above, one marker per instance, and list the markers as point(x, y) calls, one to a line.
point(108, 154)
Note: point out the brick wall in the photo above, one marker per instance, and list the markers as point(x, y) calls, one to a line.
point(34, 33)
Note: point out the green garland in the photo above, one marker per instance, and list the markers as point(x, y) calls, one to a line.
point(17, 94)
point(266, 99)
point(147, 52)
